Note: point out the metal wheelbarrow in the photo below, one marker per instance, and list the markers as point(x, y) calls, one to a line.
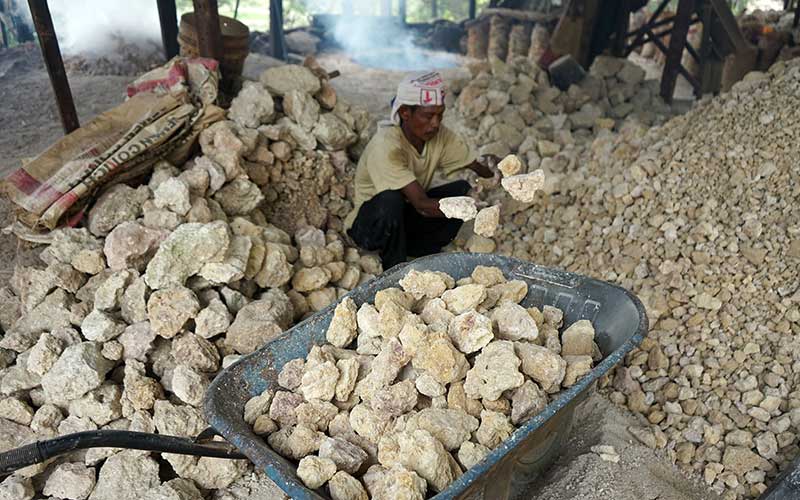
point(617, 315)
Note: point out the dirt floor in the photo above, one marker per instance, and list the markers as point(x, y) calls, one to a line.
point(29, 123)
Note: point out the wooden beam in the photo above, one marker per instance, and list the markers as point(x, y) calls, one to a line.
point(43, 22)
point(277, 40)
point(472, 9)
point(677, 42)
point(209, 36)
point(168, 18)
point(401, 10)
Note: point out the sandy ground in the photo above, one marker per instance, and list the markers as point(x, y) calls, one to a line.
point(29, 123)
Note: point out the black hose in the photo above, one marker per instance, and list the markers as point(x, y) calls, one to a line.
point(40, 451)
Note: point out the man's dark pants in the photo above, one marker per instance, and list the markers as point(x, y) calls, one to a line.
point(389, 224)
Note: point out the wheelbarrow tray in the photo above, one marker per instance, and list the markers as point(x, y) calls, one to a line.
point(617, 315)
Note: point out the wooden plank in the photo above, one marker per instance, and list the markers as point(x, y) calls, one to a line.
point(168, 18)
point(472, 8)
point(672, 66)
point(725, 29)
point(663, 48)
point(209, 36)
point(43, 22)
point(277, 40)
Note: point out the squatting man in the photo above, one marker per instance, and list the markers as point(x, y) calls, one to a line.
point(396, 211)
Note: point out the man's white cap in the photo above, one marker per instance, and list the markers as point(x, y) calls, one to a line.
point(418, 89)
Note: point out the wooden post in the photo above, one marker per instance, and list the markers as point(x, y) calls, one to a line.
point(675, 51)
point(621, 29)
point(401, 7)
point(434, 9)
point(796, 14)
point(277, 42)
point(43, 22)
point(472, 9)
point(4, 33)
point(209, 36)
point(168, 18)
point(709, 63)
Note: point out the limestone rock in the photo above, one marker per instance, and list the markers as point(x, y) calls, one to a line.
point(282, 79)
point(452, 427)
point(423, 284)
point(470, 331)
point(283, 408)
point(577, 339)
point(425, 455)
point(347, 456)
point(101, 327)
point(170, 308)
point(471, 453)
point(333, 133)
point(128, 475)
point(118, 204)
point(259, 322)
point(514, 323)
point(395, 400)
point(233, 265)
point(173, 195)
point(523, 187)
point(291, 374)
point(184, 253)
point(319, 381)
point(577, 367)
point(252, 107)
point(399, 483)
point(315, 471)
point(74, 481)
point(494, 429)
point(487, 221)
point(458, 207)
point(16, 487)
point(79, 369)
point(302, 108)
point(343, 327)
point(496, 369)
point(528, 400)
point(343, 486)
point(464, 298)
point(213, 320)
point(510, 165)
point(442, 361)
point(545, 367)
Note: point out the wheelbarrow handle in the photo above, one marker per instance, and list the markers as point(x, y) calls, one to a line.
point(41, 451)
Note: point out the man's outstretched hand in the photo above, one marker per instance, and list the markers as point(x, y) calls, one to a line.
point(485, 166)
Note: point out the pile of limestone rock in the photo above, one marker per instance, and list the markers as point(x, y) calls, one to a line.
point(127, 319)
point(410, 392)
point(700, 218)
point(512, 108)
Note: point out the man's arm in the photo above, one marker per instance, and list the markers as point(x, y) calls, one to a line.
point(416, 195)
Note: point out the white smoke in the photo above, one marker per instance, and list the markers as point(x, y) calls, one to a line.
point(378, 41)
point(96, 26)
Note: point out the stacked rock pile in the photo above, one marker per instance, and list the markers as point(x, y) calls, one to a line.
point(127, 319)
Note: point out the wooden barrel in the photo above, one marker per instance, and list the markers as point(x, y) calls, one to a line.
point(235, 43)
